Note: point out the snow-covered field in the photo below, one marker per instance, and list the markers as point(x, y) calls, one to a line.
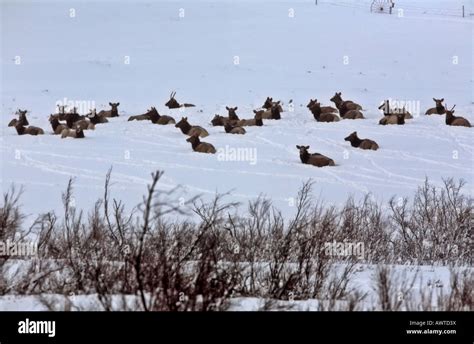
point(136, 53)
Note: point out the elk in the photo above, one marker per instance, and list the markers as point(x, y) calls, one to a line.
point(156, 118)
point(269, 103)
point(31, 130)
point(314, 159)
point(72, 117)
point(144, 117)
point(274, 112)
point(76, 133)
point(189, 129)
point(390, 117)
point(256, 121)
point(21, 119)
point(353, 114)
point(456, 120)
point(234, 130)
point(232, 114)
point(201, 147)
point(439, 109)
point(324, 109)
point(320, 116)
point(94, 118)
point(344, 106)
point(110, 113)
point(361, 143)
point(57, 126)
point(219, 120)
point(173, 103)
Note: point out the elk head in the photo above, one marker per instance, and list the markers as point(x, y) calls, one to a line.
point(172, 103)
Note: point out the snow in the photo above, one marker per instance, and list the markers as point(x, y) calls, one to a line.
point(83, 59)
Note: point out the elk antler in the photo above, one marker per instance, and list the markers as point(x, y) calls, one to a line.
point(453, 107)
point(172, 94)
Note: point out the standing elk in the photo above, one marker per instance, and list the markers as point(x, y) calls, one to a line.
point(112, 112)
point(173, 103)
point(314, 159)
point(189, 129)
point(457, 121)
point(361, 143)
point(201, 147)
point(439, 109)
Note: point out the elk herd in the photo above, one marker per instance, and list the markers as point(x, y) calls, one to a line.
point(72, 124)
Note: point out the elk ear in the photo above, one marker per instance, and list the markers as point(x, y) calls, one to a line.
point(434, 100)
point(185, 118)
point(227, 108)
point(298, 147)
point(118, 104)
point(255, 111)
point(307, 147)
point(442, 100)
point(110, 103)
point(236, 108)
point(339, 93)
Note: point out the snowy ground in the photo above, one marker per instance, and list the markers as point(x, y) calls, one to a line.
point(83, 58)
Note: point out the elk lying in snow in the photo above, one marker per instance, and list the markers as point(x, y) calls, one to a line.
point(439, 109)
point(344, 106)
point(21, 119)
point(230, 129)
point(173, 103)
point(361, 143)
point(353, 114)
point(31, 130)
point(156, 118)
point(274, 112)
point(390, 117)
point(110, 113)
point(269, 103)
point(189, 129)
point(314, 159)
point(232, 114)
point(322, 116)
point(456, 120)
point(256, 121)
point(324, 109)
point(76, 133)
point(144, 117)
point(201, 147)
point(57, 126)
point(94, 118)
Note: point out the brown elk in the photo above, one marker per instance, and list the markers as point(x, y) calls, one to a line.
point(256, 121)
point(230, 129)
point(201, 147)
point(31, 130)
point(314, 159)
point(390, 117)
point(76, 133)
point(112, 112)
point(320, 116)
point(189, 129)
point(361, 143)
point(21, 119)
point(232, 113)
point(269, 103)
point(456, 120)
point(57, 126)
point(344, 106)
point(439, 109)
point(94, 118)
point(173, 103)
point(324, 109)
point(144, 117)
point(274, 112)
point(156, 118)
